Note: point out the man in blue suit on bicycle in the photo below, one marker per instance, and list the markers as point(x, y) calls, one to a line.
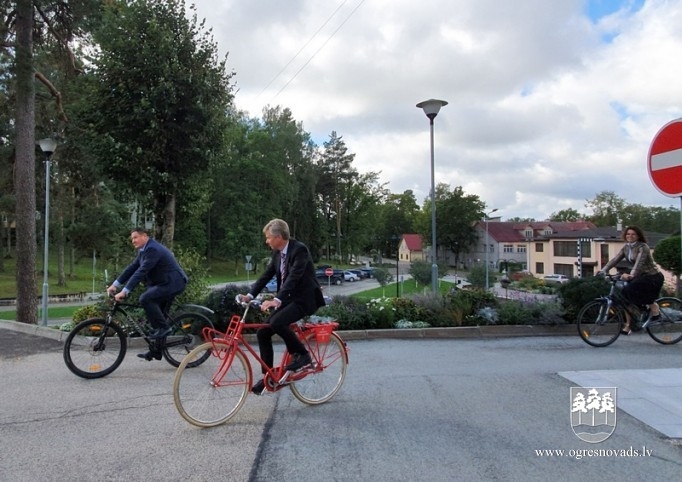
point(165, 279)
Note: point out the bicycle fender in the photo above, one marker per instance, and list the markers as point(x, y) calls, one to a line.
point(200, 308)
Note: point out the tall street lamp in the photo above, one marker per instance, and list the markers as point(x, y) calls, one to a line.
point(487, 249)
point(48, 146)
point(431, 108)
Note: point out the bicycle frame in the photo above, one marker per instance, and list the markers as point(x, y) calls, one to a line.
point(615, 299)
point(277, 377)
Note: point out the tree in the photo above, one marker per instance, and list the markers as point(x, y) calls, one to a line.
point(566, 215)
point(27, 308)
point(667, 254)
point(336, 174)
point(607, 209)
point(158, 106)
point(456, 215)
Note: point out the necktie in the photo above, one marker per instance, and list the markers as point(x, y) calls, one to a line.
point(283, 265)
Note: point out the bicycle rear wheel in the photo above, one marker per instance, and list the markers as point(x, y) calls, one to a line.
point(321, 381)
point(211, 393)
point(668, 330)
point(94, 349)
point(185, 337)
point(599, 325)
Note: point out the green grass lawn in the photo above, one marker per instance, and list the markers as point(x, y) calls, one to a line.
point(407, 287)
point(52, 312)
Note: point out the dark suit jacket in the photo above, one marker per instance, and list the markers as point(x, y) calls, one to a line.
point(300, 285)
point(155, 265)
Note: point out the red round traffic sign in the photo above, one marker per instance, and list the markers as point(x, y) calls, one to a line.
point(329, 272)
point(664, 162)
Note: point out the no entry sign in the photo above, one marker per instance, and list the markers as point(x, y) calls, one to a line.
point(665, 159)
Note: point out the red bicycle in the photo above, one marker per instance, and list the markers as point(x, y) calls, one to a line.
point(213, 392)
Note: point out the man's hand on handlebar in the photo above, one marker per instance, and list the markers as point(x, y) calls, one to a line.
point(243, 299)
point(272, 304)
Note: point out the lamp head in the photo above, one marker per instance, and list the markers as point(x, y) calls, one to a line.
point(432, 107)
point(48, 146)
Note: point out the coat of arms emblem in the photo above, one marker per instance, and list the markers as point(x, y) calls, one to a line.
point(593, 413)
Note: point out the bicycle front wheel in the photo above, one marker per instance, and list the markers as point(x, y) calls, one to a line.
point(668, 330)
point(599, 325)
point(213, 392)
point(321, 381)
point(185, 337)
point(94, 348)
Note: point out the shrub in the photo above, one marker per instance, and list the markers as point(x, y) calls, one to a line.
point(348, 312)
point(86, 312)
point(381, 312)
point(579, 291)
point(513, 312)
point(224, 304)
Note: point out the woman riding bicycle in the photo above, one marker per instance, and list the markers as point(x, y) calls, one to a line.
point(644, 279)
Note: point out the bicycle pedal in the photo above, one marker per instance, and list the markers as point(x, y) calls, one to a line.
point(284, 377)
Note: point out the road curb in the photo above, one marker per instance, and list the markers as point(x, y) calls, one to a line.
point(489, 331)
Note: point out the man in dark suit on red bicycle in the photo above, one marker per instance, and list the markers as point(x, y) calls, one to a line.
point(298, 295)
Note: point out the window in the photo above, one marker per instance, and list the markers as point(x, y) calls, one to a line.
point(540, 268)
point(508, 248)
point(539, 247)
point(565, 248)
point(604, 254)
point(520, 248)
point(528, 234)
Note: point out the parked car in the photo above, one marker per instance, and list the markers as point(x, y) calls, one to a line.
point(358, 272)
point(555, 279)
point(367, 272)
point(271, 287)
point(350, 276)
point(336, 278)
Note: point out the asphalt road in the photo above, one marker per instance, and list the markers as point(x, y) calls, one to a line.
point(411, 409)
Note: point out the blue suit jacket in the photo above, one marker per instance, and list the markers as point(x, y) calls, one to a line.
point(155, 265)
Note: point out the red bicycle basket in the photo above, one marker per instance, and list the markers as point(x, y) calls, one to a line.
point(322, 331)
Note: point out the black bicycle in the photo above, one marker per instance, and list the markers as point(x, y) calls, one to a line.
point(601, 320)
point(96, 347)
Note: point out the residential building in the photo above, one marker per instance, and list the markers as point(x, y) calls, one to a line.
point(514, 242)
point(579, 253)
point(411, 248)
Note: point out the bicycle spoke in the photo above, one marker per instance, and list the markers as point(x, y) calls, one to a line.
point(213, 392)
point(321, 382)
point(598, 324)
point(667, 330)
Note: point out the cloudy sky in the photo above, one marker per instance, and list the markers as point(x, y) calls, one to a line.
point(549, 102)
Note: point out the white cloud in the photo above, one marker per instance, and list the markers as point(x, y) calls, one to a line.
point(546, 107)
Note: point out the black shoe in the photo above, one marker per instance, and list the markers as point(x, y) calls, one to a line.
point(300, 360)
point(625, 332)
point(655, 318)
point(150, 355)
point(162, 332)
point(258, 388)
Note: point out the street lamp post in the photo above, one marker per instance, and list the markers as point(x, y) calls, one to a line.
point(431, 108)
point(487, 217)
point(48, 146)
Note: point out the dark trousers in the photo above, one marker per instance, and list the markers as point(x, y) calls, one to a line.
point(644, 289)
point(156, 300)
point(278, 323)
